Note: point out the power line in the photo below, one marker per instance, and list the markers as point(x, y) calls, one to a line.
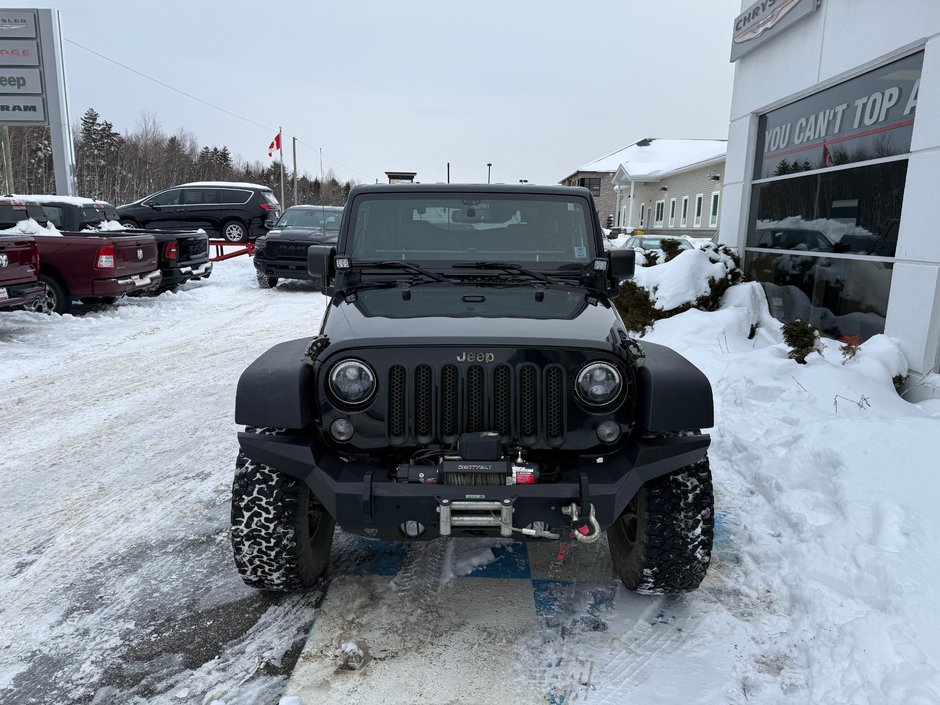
point(172, 88)
point(206, 102)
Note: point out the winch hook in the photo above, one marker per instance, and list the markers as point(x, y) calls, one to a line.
point(595, 533)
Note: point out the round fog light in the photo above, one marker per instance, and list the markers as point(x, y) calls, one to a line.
point(341, 430)
point(608, 431)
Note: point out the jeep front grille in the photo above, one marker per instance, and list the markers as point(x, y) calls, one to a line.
point(523, 404)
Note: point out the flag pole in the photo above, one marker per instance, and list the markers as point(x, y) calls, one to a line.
point(280, 146)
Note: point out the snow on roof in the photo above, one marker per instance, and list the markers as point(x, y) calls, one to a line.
point(227, 184)
point(652, 157)
point(50, 198)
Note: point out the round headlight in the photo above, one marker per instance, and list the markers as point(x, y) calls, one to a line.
point(352, 381)
point(598, 383)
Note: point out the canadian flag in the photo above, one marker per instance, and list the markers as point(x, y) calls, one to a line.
point(827, 156)
point(275, 145)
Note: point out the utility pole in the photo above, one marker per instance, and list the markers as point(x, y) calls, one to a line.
point(489, 166)
point(7, 159)
point(448, 172)
point(295, 171)
point(280, 146)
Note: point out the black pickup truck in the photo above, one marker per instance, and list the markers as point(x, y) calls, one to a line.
point(182, 255)
point(472, 377)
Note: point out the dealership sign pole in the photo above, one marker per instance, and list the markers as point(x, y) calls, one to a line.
point(32, 84)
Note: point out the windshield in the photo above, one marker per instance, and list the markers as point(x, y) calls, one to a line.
point(468, 227)
point(320, 218)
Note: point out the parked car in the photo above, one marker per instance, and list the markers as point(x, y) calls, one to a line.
point(237, 212)
point(471, 377)
point(793, 239)
point(19, 270)
point(93, 267)
point(883, 245)
point(181, 255)
point(282, 253)
point(655, 242)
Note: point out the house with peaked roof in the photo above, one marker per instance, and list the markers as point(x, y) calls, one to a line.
point(670, 186)
point(596, 177)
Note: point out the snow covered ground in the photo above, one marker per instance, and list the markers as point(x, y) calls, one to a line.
point(118, 587)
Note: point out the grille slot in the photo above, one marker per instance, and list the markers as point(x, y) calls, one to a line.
point(475, 399)
point(502, 402)
point(554, 403)
point(396, 404)
point(449, 397)
point(528, 404)
point(423, 401)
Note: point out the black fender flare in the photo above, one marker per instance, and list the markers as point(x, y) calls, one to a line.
point(672, 393)
point(279, 388)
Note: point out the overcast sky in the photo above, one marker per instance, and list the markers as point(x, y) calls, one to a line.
point(536, 87)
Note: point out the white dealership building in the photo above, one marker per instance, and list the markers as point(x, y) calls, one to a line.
point(832, 176)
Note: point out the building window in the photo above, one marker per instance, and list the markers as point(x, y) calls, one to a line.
point(713, 214)
point(672, 213)
point(699, 198)
point(660, 207)
point(592, 184)
point(684, 220)
point(642, 214)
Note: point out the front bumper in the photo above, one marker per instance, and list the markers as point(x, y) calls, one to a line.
point(126, 285)
point(362, 498)
point(282, 268)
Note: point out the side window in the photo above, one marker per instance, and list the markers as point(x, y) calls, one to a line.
point(684, 220)
point(200, 197)
point(56, 215)
point(167, 198)
point(230, 195)
point(699, 197)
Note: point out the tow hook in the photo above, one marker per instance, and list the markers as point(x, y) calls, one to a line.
point(595, 532)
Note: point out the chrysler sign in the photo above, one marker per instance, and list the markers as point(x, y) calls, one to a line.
point(766, 19)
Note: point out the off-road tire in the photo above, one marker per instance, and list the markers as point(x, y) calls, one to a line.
point(662, 542)
point(281, 534)
point(266, 282)
point(234, 231)
point(56, 299)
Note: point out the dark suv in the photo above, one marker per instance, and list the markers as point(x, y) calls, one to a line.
point(472, 377)
point(235, 211)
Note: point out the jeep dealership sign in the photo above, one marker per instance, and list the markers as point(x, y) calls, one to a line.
point(32, 83)
point(766, 19)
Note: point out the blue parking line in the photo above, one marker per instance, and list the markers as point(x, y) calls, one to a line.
point(512, 561)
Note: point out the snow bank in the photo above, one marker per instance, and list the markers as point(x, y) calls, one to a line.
point(686, 277)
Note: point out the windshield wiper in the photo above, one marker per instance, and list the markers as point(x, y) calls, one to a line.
point(510, 269)
point(404, 266)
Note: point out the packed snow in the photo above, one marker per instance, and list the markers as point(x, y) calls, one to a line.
point(31, 227)
point(119, 587)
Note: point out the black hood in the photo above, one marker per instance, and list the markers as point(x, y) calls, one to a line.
point(311, 236)
point(459, 314)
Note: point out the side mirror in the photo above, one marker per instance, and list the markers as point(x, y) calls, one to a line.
point(621, 265)
point(147, 204)
point(320, 266)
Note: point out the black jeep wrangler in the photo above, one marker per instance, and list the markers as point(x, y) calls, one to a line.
point(472, 377)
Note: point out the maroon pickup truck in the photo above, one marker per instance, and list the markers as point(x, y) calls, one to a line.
point(81, 266)
point(19, 271)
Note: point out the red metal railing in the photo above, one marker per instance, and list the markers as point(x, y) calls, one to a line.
point(247, 248)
